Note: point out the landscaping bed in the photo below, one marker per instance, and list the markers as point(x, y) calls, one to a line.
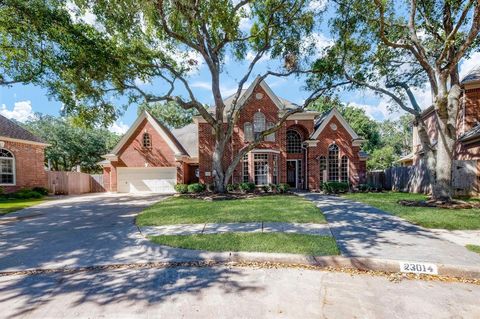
point(274, 208)
point(425, 216)
point(254, 242)
point(21, 199)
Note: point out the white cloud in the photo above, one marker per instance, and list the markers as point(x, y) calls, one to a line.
point(119, 128)
point(469, 64)
point(225, 89)
point(317, 42)
point(22, 111)
point(204, 85)
point(317, 5)
point(251, 55)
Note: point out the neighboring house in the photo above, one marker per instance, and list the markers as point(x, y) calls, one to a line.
point(467, 149)
point(21, 157)
point(309, 148)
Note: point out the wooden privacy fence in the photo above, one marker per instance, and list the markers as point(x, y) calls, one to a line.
point(74, 183)
point(414, 179)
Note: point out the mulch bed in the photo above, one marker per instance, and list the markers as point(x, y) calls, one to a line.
point(227, 196)
point(455, 204)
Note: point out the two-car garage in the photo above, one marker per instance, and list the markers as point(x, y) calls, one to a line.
point(146, 179)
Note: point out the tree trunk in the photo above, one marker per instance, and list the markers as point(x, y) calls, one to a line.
point(218, 172)
point(447, 110)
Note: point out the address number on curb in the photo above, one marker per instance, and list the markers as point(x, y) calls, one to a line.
point(418, 268)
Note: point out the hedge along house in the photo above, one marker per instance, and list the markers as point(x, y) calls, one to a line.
point(22, 158)
point(308, 149)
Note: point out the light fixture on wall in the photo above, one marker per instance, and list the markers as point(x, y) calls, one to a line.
point(2, 143)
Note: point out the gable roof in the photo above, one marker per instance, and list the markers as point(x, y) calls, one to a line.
point(11, 130)
point(325, 118)
point(281, 103)
point(188, 137)
point(159, 127)
point(472, 76)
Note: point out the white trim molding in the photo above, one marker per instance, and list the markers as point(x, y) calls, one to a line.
point(311, 143)
point(16, 140)
point(260, 150)
point(334, 112)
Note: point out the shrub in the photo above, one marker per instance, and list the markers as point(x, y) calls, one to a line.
point(181, 188)
point(232, 187)
point(41, 190)
point(26, 193)
point(266, 188)
point(334, 187)
point(196, 188)
point(283, 188)
point(247, 187)
point(274, 187)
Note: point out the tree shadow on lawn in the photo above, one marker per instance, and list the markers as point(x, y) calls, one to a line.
point(94, 230)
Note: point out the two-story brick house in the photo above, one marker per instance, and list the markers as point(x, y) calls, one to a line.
point(467, 149)
point(309, 148)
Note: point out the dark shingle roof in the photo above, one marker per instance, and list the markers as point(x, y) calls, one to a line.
point(473, 133)
point(188, 137)
point(13, 130)
point(321, 118)
point(472, 76)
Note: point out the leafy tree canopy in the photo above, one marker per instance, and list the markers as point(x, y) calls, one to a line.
point(72, 145)
point(169, 113)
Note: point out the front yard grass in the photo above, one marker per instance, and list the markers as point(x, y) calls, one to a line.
point(428, 217)
point(474, 248)
point(12, 205)
point(254, 242)
point(275, 208)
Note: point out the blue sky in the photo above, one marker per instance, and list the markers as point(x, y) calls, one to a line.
point(21, 101)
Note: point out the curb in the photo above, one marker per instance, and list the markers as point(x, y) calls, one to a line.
point(194, 258)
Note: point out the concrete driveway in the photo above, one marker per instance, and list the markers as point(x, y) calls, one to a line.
point(75, 232)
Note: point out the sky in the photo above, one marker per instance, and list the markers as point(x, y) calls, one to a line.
point(20, 102)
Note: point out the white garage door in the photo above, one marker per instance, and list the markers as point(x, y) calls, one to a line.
point(146, 179)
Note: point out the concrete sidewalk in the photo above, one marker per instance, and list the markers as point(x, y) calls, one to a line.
point(260, 227)
point(364, 231)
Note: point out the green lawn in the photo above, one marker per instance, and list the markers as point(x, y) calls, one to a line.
point(275, 208)
point(12, 205)
point(424, 216)
point(474, 248)
point(254, 242)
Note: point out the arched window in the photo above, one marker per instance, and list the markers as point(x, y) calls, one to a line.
point(248, 132)
point(333, 163)
point(147, 141)
point(7, 167)
point(294, 142)
point(270, 137)
point(323, 167)
point(258, 124)
point(344, 168)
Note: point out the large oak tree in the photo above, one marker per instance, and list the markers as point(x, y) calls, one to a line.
point(393, 48)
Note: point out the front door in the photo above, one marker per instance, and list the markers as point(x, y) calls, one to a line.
point(292, 173)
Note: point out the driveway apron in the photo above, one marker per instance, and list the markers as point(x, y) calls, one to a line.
point(364, 231)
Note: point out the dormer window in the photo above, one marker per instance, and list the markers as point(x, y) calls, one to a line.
point(147, 140)
point(258, 124)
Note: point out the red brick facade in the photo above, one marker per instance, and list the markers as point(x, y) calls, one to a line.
point(259, 99)
point(29, 165)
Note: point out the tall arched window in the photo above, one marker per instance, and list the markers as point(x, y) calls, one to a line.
point(7, 167)
point(344, 169)
point(323, 167)
point(270, 137)
point(147, 141)
point(258, 124)
point(294, 142)
point(248, 132)
point(333, 163)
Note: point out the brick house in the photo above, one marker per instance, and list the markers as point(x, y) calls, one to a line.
point(309, 148)
point(467, 149)
point(21, 157)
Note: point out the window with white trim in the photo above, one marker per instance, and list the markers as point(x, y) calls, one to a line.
point(245, 175)
point(344, 168)
point(258, 124)
point(323, 167)
point(275, 169)
point(270, 137)
point(260, 168)
point(7, 167)
point(147, 140)
point(333, 152)
point(294, 142)
point(248, 132)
